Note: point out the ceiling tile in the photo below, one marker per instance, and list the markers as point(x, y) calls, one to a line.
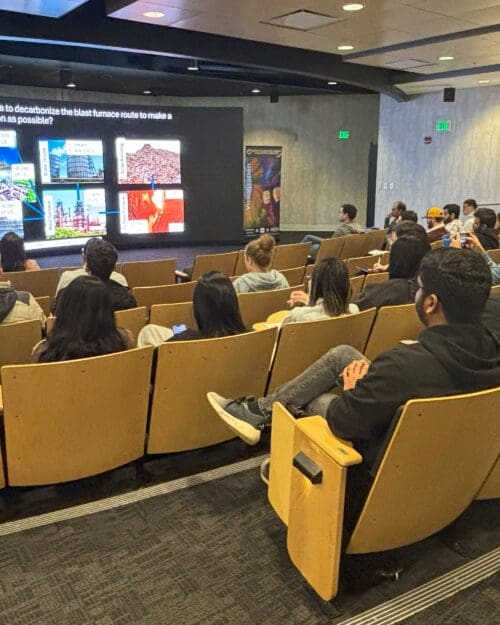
point(135, 12)
point(483, 17)
point(447, 7)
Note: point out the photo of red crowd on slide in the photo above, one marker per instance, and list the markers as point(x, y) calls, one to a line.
point(161, 210)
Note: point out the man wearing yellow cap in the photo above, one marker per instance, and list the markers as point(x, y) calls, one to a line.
point(435, 224)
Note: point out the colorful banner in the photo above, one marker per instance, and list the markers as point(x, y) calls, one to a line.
point(262, 190)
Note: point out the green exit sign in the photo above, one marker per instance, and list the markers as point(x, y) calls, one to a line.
point(443, 125)
point(344, 134)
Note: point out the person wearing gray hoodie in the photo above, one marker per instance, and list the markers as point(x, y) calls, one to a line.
point(258, 259)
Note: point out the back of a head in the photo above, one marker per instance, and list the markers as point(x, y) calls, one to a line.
point(453, 209)
point(330, 282)
point(406, 255)
point(400, 206)
point(410, 229)
point(350, 210)
point(487, 217)
point(471, 202)
point(409, 216)
point(12, 252)
point(260, 251)
point(460, 279)
point(215, 306)
point(101, 259)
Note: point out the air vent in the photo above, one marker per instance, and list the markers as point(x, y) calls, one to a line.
point(407, 64)
point(304, 20)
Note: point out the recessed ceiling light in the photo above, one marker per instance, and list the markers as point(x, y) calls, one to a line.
point(332, 82)
point(154, 14)
point(255, 90)
point(446, 58)
point(483, 82)
point(345, 47)
point(71, 85)
point(353, 6)
point(146, 92)
point(193, 66)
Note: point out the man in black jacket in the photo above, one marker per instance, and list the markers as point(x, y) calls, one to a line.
point(455, 354)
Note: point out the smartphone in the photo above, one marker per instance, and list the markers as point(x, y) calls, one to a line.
point(179, 328)
point(463, 239)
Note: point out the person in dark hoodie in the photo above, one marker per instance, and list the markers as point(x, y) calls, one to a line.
point(454, 354)
point(484, 224)
point(100, 261)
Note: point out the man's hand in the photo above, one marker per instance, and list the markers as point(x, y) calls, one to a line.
point(298, 297)
point(456, 242)
point(354, 372)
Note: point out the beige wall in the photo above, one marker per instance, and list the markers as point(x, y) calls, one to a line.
point(456, 165)
point(320, 172)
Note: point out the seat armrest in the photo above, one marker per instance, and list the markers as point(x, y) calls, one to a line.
point(317, 431)
point(182, 275)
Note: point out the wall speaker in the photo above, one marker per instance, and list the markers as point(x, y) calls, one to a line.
point(449, 94)
point(274, 98)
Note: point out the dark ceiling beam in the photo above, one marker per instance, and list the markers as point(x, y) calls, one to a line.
point(86, 26)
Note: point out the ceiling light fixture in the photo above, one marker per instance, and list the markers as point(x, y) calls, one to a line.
point(147, 92)
point(333, 82)
point(345, 47)
point(255, 90)
point(353, 6)
point(71, 85)
point(154, 14)
point(483, 82)
point(193, 66)
point(446, 58)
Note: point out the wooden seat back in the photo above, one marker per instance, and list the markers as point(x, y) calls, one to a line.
point(392, 325)
point(38, 283)
point(17, 341)
point(79, 418)
point(181, 417)
point(169, 315)
point(255, 307)
point(491, 487)
point(357, 283)
point(495, 288)
point(374, 240)
point(494, 255)
point(225, 263)
point(294, 276)
point(362, 262)
point(168, 294)
point(240, 267)
point(290, 255)
point(149, 272)
point(132, 319)
point(354, 246)
point(44, 303)
point(374, 278)
point(301, 344)
point(330, 248)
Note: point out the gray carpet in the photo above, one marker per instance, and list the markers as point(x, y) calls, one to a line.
point(212, 554)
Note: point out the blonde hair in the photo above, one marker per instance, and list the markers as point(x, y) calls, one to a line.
point(261, 251)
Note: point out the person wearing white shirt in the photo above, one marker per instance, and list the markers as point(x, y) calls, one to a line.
point(452, 221)
point(468, 207)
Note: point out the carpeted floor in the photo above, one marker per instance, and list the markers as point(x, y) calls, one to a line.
point(212, 554)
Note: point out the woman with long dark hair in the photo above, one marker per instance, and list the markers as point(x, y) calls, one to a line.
point(216, 312)
point(13, 254)
point(84, 326)
point(329, 294)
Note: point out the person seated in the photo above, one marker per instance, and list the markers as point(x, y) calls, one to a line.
point(394, 218)
point(13, 254)
point(18, 306)
point(100, 261)
point(473, 243)
point(497, 225)
point(404, 260)
point(85, 324)
point(468, 207)
point(454, 354)
point(68, 276)
point(435, 224)
point(258, 259)
point(484, 224)
point(347, 218)
point(452, 223)
point(329, 294)
point(409, 216)
point(215, 309)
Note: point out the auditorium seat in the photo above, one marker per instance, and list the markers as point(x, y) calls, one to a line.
point(79, 418)
point(301, 344)
point(2, 474)
point(357, 284)
point(168, 294)
point(434, 462)
point(290, 255)
point(491, 487)
point(494, 255)
point(258, 306)
point(38, 283)
point(169, 315)
point(363, 262)
point(495, 288)
point(392, 325)
point(44, 303)
point(17, 341)
point(225, 263)
point(149, 272)
point(354, 246)
point(240, 267)
point(330, 248)
point(294, 276)
point(133, 319)
point(373, 278)
point(181, 417)
point(374, 240)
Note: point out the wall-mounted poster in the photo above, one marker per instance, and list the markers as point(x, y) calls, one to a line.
point(262, 190)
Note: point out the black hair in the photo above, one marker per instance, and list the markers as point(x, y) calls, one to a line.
point(486, 216)
point(460, 279)
point(330, 281)
point(12, 252)
point(453, 209)
point(89, 243)
point(401, 206)
point(405, 257)
point(409, 216)
point(100, 258)
point(410, 229)
point(471, 202)
point(350, 210)
point(215, 306)
point(85, 323)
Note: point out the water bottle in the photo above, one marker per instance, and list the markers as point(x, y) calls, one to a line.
point(446, 240)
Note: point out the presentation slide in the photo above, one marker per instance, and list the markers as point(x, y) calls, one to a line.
point(11, 217)
point(143, 212)
point(71, 213)
point(71, 160)
point(17, 179)
point(146, 161)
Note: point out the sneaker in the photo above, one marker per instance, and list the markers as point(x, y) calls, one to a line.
point(264, 470)
point(242, 416)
